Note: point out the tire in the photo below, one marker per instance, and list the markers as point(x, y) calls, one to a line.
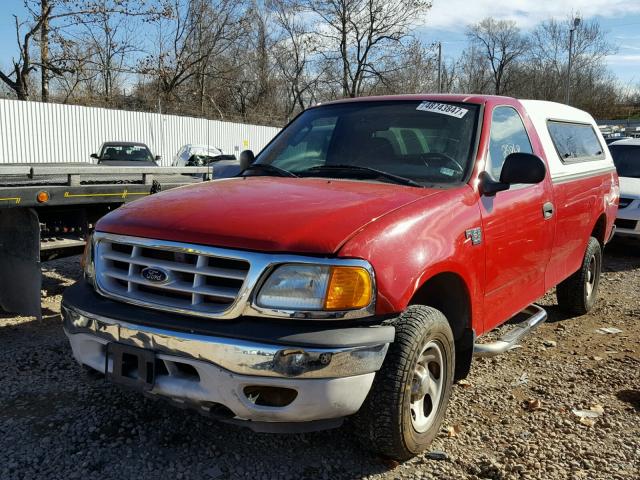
point(387, 422)
point(577, 294)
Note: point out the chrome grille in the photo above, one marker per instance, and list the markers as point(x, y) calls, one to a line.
point(196, 282)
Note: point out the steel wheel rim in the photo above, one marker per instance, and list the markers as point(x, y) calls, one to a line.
point(426, 387)
point(591, 276)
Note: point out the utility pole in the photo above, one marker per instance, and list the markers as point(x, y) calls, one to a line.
point(439, 67)
point(576, 24)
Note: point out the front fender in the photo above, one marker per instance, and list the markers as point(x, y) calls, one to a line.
point(420, 240)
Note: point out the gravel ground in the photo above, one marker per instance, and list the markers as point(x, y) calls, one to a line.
point(511, 419)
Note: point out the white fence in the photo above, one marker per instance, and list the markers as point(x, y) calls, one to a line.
point(33, 132)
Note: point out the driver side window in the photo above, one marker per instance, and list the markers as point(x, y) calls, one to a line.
point(508, 135)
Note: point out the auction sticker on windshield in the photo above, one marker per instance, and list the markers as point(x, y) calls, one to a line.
point(443, 108)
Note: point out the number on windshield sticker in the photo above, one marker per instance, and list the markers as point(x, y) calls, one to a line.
point(443, 108)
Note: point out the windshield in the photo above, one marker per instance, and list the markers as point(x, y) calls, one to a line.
point(420, 141)
point(626, 159)
point(126, 152)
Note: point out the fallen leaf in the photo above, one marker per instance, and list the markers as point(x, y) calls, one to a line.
point(599, 409)
point(588, 422)
point(453, 430)
point(464, 383)
point(524, 378)
point(532, 404)
point(596, 358)
point(549, 343)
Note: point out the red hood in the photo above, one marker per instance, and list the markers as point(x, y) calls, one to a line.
point(275, 214)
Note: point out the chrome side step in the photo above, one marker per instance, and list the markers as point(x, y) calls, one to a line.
point(534, 316)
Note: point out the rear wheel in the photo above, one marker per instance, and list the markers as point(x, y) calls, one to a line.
point(577, 294)
point(405, 407)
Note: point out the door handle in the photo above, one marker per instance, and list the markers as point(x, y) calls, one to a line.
point(547, 210)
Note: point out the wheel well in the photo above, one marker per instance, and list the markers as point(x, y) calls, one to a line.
point(600, 229)
point(448, 293)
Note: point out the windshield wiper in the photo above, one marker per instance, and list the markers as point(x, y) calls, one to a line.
point(266, 167)
point(358, 168)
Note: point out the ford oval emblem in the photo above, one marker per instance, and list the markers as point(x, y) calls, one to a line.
point(155, 274)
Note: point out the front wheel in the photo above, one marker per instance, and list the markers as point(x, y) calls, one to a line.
point(577, 294)
point(405, 407)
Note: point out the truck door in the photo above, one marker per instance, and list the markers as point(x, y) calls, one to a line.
point(518, 225)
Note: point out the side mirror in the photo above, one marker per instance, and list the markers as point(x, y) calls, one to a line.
point(523, 168)
point(94, 155)
point(246, 158)
point(158, 158)
point(517, 168)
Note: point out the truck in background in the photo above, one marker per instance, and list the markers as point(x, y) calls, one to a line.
point(47, 211)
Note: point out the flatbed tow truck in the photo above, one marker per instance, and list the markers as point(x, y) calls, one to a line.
point(47, 211)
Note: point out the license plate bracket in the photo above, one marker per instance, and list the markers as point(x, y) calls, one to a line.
point(132, 366)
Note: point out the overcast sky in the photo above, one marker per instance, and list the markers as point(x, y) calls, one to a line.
point(447, 20)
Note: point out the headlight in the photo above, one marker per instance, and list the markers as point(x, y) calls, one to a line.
point(316, 287)
point(87, 263)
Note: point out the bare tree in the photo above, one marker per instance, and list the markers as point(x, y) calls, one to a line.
point(363, 36)
point(265, 60)
point(415, 70)
point(501, 44)
point(56, 16)
point(45, 12)
point(543, 74)
point(78, 73)
point(219, 25)
point(24, 65)
point(255, 78)
point(111, 40)
point(294, 50)
point(190, 36)
point(473, 74)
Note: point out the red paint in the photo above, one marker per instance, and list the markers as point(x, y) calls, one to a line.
point(579, 204)
point(407, 234)
point(302, 215)
point(518, 238)
point(421, 240)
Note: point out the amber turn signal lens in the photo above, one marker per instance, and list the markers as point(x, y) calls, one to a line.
point(349, 288)
point(42, 196)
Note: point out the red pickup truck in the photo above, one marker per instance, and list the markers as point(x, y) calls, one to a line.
point(353, 267)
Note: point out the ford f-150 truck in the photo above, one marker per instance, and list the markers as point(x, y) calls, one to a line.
point(353, 267)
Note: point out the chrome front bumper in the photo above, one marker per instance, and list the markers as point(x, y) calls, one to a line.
point(329, 382)
point(237, 356)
